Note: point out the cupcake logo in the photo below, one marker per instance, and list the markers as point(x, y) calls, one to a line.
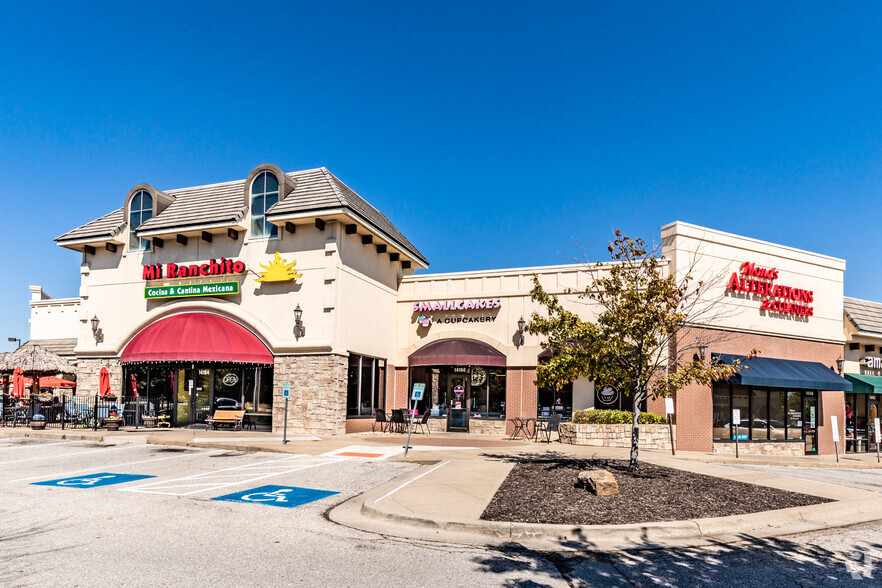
point(424, 321)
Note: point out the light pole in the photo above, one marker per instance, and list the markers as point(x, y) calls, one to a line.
point(17, 341)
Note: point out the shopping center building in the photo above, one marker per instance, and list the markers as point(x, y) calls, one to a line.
point(232, 290)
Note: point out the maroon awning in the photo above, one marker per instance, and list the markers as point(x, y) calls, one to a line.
point(457, 352)
point(196, 336)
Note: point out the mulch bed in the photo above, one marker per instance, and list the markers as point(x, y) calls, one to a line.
point(545, 492)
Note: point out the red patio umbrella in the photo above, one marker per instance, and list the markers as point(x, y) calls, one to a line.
point(53, 382)
point(18, 390)
point(133, 385)
point(104, 383)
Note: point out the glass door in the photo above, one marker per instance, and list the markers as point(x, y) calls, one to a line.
point(810, 423)
point(192, 395)
point(872, 415)
point(458, 402)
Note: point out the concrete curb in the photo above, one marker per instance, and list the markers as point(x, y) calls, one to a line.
point(369, 513)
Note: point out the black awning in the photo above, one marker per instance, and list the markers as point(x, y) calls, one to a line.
point(785, 373)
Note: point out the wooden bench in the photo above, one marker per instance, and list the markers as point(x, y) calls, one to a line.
point(232, 418)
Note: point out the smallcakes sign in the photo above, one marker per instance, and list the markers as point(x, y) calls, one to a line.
point(760, 281)
point(452, 306)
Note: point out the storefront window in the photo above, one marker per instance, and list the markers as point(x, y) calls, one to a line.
point(794, 414)
point(228, 385)
point(487, 392)
point(741, 401)
point(759, 417)
point(777, 421)
point(551, 402)
point(722, 413)
point(365, 388)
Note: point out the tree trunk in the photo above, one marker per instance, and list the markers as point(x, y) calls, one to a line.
point(635, 431)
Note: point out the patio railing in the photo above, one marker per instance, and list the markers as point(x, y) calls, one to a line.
point(66, 411)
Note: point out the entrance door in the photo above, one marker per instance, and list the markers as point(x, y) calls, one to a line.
point(872, 415)
point(192, 395)
point(810, 424)
point(458, 402)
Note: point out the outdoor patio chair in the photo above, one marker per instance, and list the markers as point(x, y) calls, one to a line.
point(396, 424)
point(552, 425)
point(381, 421)
point(423, 423)
point(75, 419)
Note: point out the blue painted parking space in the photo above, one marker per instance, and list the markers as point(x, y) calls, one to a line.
point(92, 480)
point(284, 496)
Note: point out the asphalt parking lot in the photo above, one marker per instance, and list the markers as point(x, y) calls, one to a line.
point(169, 529)
point(69, 517)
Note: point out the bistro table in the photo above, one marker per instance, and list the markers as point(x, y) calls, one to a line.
point(522, 427)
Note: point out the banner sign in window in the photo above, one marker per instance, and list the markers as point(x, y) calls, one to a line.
point(187, 290)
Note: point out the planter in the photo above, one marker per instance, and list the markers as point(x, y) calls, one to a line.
point(38, 425)
point(651, 436)
point(112, 424)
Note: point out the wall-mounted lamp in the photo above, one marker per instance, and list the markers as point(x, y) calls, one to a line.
point(702, 352)
point(17, 341)
point(299, 329)
point(519, 339)
point(99, 336)
point(840, 363)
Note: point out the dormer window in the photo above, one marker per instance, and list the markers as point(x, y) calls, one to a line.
point(264, 193)
point(140, 210)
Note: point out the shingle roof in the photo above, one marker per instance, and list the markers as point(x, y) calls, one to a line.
point(866, 315)
point(316, 190)
point(62, 347)
point(319, 189)
point(200, 205)
point(105, 227)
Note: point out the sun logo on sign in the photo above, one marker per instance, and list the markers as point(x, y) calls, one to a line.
point(278, 270)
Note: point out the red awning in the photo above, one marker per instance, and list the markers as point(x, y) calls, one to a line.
point(457, 352)
point(196, 336)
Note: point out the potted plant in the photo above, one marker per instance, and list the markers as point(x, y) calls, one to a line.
point(113, 422)
point(38, 422)
point(110, 397)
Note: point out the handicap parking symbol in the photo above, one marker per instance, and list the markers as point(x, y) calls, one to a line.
point(92, 480)
point(284, 496)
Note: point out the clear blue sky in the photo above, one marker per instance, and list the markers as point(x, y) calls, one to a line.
point(494, 134)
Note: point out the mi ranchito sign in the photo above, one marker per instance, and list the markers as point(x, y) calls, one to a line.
point(187, 290)
point(173, 270)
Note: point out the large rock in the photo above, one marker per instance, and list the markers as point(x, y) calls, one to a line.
point(600, 482)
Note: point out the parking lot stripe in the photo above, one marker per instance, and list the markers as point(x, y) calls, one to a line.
point(386, 495)
point(120, 465)
point(217, 479)
point(69, 454)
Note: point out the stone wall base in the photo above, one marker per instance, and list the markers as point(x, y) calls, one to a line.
point(317, 405)
point(764, 448)
point(89, 370)
point(651, 436)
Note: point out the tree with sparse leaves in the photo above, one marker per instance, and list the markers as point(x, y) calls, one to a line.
point(633, 341)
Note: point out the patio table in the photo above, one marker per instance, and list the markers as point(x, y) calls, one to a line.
point(522, 427)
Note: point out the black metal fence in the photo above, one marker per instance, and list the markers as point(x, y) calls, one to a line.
point(65, 411)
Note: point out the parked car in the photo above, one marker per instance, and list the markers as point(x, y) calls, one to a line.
point(227, 404)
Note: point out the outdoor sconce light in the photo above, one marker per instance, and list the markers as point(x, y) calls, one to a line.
point(840, 363)
point(702, 352)
point(17, 341)
point(99, 336)
point(520, 335)
point(299, 330)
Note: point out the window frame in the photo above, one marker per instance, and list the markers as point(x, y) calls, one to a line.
point(749, 391)
point(377, 395)
point(144, 243)
point(274, 231)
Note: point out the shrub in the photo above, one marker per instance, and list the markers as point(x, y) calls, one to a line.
point(615, 417)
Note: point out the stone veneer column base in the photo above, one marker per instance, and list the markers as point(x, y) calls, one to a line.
point(317, 405)
point(89, 370)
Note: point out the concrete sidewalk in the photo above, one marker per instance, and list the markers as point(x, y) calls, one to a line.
point(444, 502)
